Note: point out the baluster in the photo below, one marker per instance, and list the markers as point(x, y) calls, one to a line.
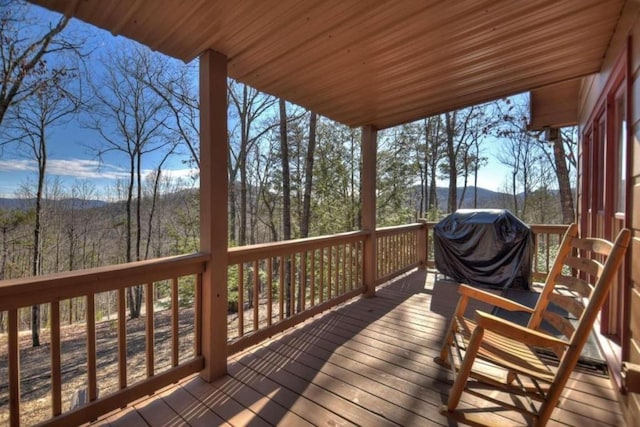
point(91, 347)
point(197, 330)
point(56, 382)
point(281, 288)
point(269, 290)
point(321, 284)
point(240, 299)
point(303, 280)
point(292, 285)
point(175, 333)
point(312, 284)
point(256, 295)
point(149, 330)
point(122, 340)
point(14, 368)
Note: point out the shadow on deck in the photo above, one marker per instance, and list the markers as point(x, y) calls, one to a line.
point(368, 362)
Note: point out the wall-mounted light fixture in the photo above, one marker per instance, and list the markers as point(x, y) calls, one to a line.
point(551, 134)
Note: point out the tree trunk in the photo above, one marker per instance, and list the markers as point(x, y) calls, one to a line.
point(286, 198)
point(308, 178)
point(513, 193)
point(475, 177)
point(129, 235)
point(5, 253)
point(138, 206)
point(41, 156)
point(453, 168)
point(233, 233)
point(564, 182)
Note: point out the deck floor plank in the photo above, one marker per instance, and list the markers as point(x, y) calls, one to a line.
point(368, 362)
point(156, 412)
point(297, 404)
point(302, 382)
point(194, 412)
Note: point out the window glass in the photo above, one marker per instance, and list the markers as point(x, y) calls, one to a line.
point(621, 149)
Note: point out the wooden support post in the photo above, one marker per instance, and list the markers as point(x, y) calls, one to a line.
point(214, 148)
point(368, 200)
point(423, 235)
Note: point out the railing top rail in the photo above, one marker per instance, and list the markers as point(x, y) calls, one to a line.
point(17, 293)
point(265, 250)
point(399, 228)
point(549, 228)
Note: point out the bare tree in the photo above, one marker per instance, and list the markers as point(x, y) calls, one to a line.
point(434, 151)
point(156, 180)
point(130, 117)
point(286, 195)
point(308, 176)
point(26, 45)
point(174, 83)
point(521, 154)
point(561, 157)
point(29, 124)
point(249, 106)
point(457, 128)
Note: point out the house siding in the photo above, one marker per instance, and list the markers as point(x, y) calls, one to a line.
point(628, 31)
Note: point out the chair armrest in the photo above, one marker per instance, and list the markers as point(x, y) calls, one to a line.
point(488, 297)
point(516, 332)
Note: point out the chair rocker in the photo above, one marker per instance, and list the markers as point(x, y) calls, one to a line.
point(488, 354)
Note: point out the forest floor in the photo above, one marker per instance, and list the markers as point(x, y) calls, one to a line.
point(35, 362)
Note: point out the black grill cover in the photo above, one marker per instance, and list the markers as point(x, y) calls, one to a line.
point(490, 248)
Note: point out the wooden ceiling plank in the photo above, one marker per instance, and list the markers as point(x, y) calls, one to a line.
point(536, 57)
point(193, 13)
point(405, 100)
point(373, 62)
point(382, 33)
point(475, 94)
point(455, 61)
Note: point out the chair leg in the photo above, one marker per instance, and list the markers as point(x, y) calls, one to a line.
point(465, 369)
point(446, 345)
point(451, 330)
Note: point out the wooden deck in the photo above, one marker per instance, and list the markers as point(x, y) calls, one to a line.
point(369, 362)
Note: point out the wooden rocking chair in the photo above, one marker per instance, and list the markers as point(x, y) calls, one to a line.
point(489, 354)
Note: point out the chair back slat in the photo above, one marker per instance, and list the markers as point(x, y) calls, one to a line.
point(575, 284)
point(559, 323)
point(584, 265)
point(594, 245)
point(568, 303)
point(571, 288)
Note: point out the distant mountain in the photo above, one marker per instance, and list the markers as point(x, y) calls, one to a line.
point(6, 203)
point(486, 198)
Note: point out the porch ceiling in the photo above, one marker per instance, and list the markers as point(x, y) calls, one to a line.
point(364, 62)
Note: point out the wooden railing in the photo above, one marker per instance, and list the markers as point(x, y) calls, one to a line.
point(398, 250)
point(282, 284)
point(136, 371)
point(547, 239)
point(273, 287)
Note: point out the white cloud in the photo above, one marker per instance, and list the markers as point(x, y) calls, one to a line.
point(180, 173)
point(17, 165)
point(13, 171)
point(76, 168)
point(85, 169)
